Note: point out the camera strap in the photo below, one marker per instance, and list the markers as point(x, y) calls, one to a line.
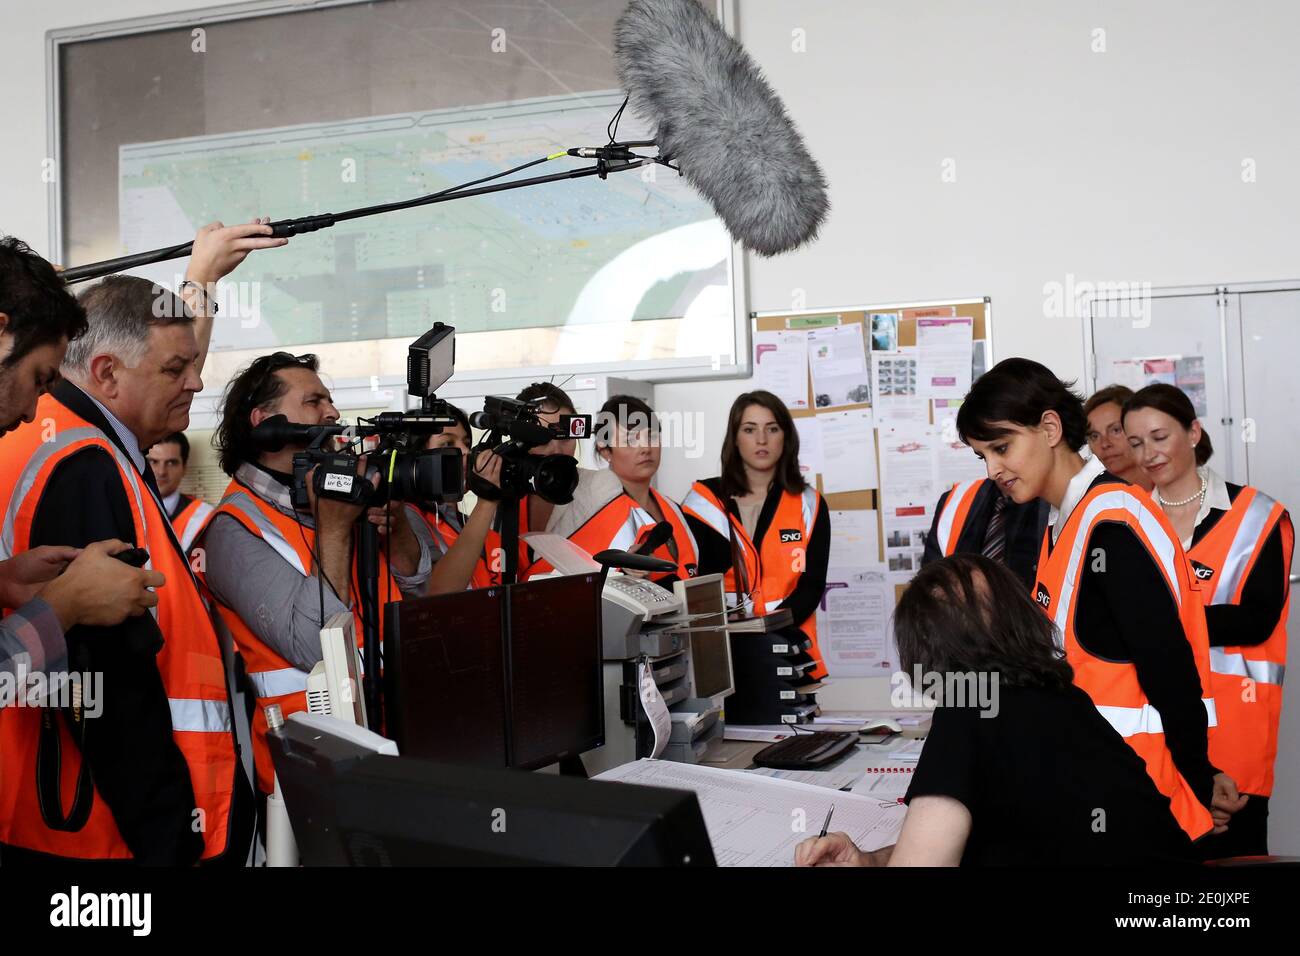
point(49, 766)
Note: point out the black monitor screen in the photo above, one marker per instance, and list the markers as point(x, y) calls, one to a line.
point(557, 692)
point(444, 671)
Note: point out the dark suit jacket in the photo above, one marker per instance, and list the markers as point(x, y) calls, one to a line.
point(1025, 527)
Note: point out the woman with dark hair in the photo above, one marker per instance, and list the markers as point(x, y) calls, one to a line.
point(760, 522)
point(466, 551)
point(627, 439)
point(1239, 542)
point(1106, 438)
point(1024, 773)
point(1112, 577)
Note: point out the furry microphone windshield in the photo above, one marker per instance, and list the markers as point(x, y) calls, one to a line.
point(719, 120)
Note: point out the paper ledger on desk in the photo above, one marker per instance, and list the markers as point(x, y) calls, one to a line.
point(754, 820)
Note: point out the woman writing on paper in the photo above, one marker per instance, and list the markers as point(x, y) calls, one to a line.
point(1239, 542)
point(760, 522)
point(619, 509)
point(1038, 777)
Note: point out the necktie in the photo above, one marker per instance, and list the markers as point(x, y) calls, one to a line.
point(995, 538)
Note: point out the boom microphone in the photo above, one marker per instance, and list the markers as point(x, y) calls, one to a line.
point(719, 119)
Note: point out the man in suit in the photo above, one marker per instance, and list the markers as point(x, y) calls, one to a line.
point(975, 517)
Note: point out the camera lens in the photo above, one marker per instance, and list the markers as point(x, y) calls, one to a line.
point(555, 478)
point(432, 475)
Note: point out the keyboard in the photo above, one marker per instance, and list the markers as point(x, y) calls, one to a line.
point(806, 751)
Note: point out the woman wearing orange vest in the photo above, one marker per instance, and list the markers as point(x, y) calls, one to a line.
point(466, 549)
point(1239, 542)
point(760, 522)
point(1113, 578)
point(627, 439)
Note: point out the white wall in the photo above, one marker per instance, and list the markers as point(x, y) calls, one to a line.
point(1123, 165)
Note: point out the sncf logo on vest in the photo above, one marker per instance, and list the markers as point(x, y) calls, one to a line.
point(791, 535)
point(1043, 596)
point(77, 909)
point(1202, 572)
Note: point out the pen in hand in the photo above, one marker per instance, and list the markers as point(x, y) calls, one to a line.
point(827, 823)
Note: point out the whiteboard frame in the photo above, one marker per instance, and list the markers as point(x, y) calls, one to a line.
point(676, 370)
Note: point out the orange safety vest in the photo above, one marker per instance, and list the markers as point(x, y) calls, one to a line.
point(1113, 685)
point(189, 663)
point(189, 523)
point(774, 568)
point(1246, 681)
point(445, 535)
point(622, 524)
point(953, 515)
point(701, 503)
point(274, 679)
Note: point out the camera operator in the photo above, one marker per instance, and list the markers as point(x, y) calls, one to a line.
point(277, 574)
point(466, 551)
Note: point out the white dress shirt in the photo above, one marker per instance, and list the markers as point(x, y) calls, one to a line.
point(1074, 492)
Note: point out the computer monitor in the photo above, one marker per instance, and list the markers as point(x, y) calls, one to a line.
point(556, 687)
point(402, 811)
point(711, 671)
point(445, 677)
point(309, 753)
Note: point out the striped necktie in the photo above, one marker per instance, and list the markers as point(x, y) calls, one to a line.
point(995, 538)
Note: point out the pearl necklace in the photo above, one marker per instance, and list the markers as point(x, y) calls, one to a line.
point(1178, 504)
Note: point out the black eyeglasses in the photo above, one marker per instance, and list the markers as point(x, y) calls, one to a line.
point(271, 364)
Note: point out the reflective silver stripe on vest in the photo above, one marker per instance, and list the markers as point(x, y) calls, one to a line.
point(708, 512)
point(195, 524)
point(1165, 547)
point(245, 505)
point(1242, 548)
point(809, 504)
point(277, 683)
point(62, 439)
point(1237, 665)
point(1129, 721)
point(949, 514)
point(200, 716)
point(681, 520)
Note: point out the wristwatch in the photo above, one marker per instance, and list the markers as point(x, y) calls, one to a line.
point(208, 301)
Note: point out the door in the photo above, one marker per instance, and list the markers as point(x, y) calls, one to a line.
point(1169, 325)
point(1268, 326)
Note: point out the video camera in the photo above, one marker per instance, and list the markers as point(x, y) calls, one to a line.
point(513, 428)
point(393, 441)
